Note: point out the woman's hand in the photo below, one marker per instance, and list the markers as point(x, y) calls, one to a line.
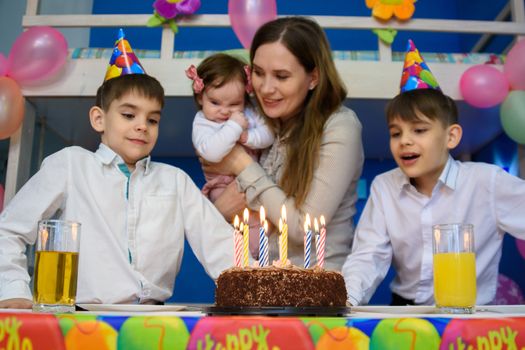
point(16, 303)
point(231, 202)
point(233, 164)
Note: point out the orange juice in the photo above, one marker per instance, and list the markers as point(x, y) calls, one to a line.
point(55, 279)
point(455, 279)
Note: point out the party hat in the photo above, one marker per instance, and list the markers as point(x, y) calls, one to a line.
point(416, 74)
point(123, 61)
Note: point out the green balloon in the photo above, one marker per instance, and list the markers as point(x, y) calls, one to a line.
point(512, 113)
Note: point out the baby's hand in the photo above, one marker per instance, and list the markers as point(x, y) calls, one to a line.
point(240, 119)
point(244, 137)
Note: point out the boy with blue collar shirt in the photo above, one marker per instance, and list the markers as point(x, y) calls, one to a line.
point(429, 187)
point(135, 213)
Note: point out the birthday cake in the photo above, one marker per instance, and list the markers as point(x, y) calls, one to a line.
point(280, 286)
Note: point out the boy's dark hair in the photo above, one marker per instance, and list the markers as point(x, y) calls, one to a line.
point(115, 88)
point(433, 104)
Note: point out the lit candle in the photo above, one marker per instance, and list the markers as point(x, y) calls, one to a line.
point(316, 236)
point(322, 240)
point(246, 237)
point(307, 241)
point(283, 238)
point(264, 258)
point(263, 239)
point(237, 242)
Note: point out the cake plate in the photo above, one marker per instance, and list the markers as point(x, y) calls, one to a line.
point(277, 311)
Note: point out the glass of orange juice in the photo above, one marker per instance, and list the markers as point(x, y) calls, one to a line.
point(454, 268)
point(56, 266)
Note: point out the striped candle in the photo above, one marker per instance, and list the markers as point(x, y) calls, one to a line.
point(316, 236)
point(245, 228)
point(322, 240)
point(307, 241)
point(263, 240)
point(264, 258)
point(283, 237)
point(237, 242)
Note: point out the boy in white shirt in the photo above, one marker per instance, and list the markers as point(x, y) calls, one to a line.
point(429, 187)
point(135, 213)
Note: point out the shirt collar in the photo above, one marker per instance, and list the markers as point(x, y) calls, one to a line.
point(448, 176)
point(107, 156)
point(401, 180)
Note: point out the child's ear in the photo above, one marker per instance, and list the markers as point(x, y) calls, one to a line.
point(454, 135)
point(96, 118)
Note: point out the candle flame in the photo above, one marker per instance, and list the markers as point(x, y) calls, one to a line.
point(74, 232)
point(466, 242)
point(45, 235)
point(316, 225)
point(308, 222)
point(323, 223)
point(236, 222)
point(246, 215)
point(280, 225)
point(262, 215)
point(283, 213)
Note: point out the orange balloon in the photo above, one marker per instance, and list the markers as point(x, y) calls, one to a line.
point(11, 107)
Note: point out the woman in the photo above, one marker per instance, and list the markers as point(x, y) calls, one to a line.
point(316, 160)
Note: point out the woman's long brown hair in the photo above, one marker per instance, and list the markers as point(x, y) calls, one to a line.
point(305, 39)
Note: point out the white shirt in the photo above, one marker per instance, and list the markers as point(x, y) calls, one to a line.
point(396, 227)
point(214, 140)
point(132, 234)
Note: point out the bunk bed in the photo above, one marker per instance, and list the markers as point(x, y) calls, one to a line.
point(368, 76)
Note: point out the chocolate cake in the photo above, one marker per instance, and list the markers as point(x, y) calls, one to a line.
point(276, 286)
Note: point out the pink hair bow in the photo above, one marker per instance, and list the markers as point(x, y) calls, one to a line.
point(198, 84)
point(249, 86)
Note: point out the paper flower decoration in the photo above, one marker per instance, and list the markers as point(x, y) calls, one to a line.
point(166, 11)
point(385, 9)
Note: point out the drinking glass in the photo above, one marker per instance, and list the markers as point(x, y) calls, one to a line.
point(454, 268)
point(56, 266)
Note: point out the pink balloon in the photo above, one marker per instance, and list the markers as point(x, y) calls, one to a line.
point(246, 16)
point(483, 86)
point(11, 107)
point(3, 65)
point(36, 55)
point(514, 67)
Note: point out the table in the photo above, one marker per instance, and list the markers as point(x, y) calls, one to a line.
point(372, 327)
